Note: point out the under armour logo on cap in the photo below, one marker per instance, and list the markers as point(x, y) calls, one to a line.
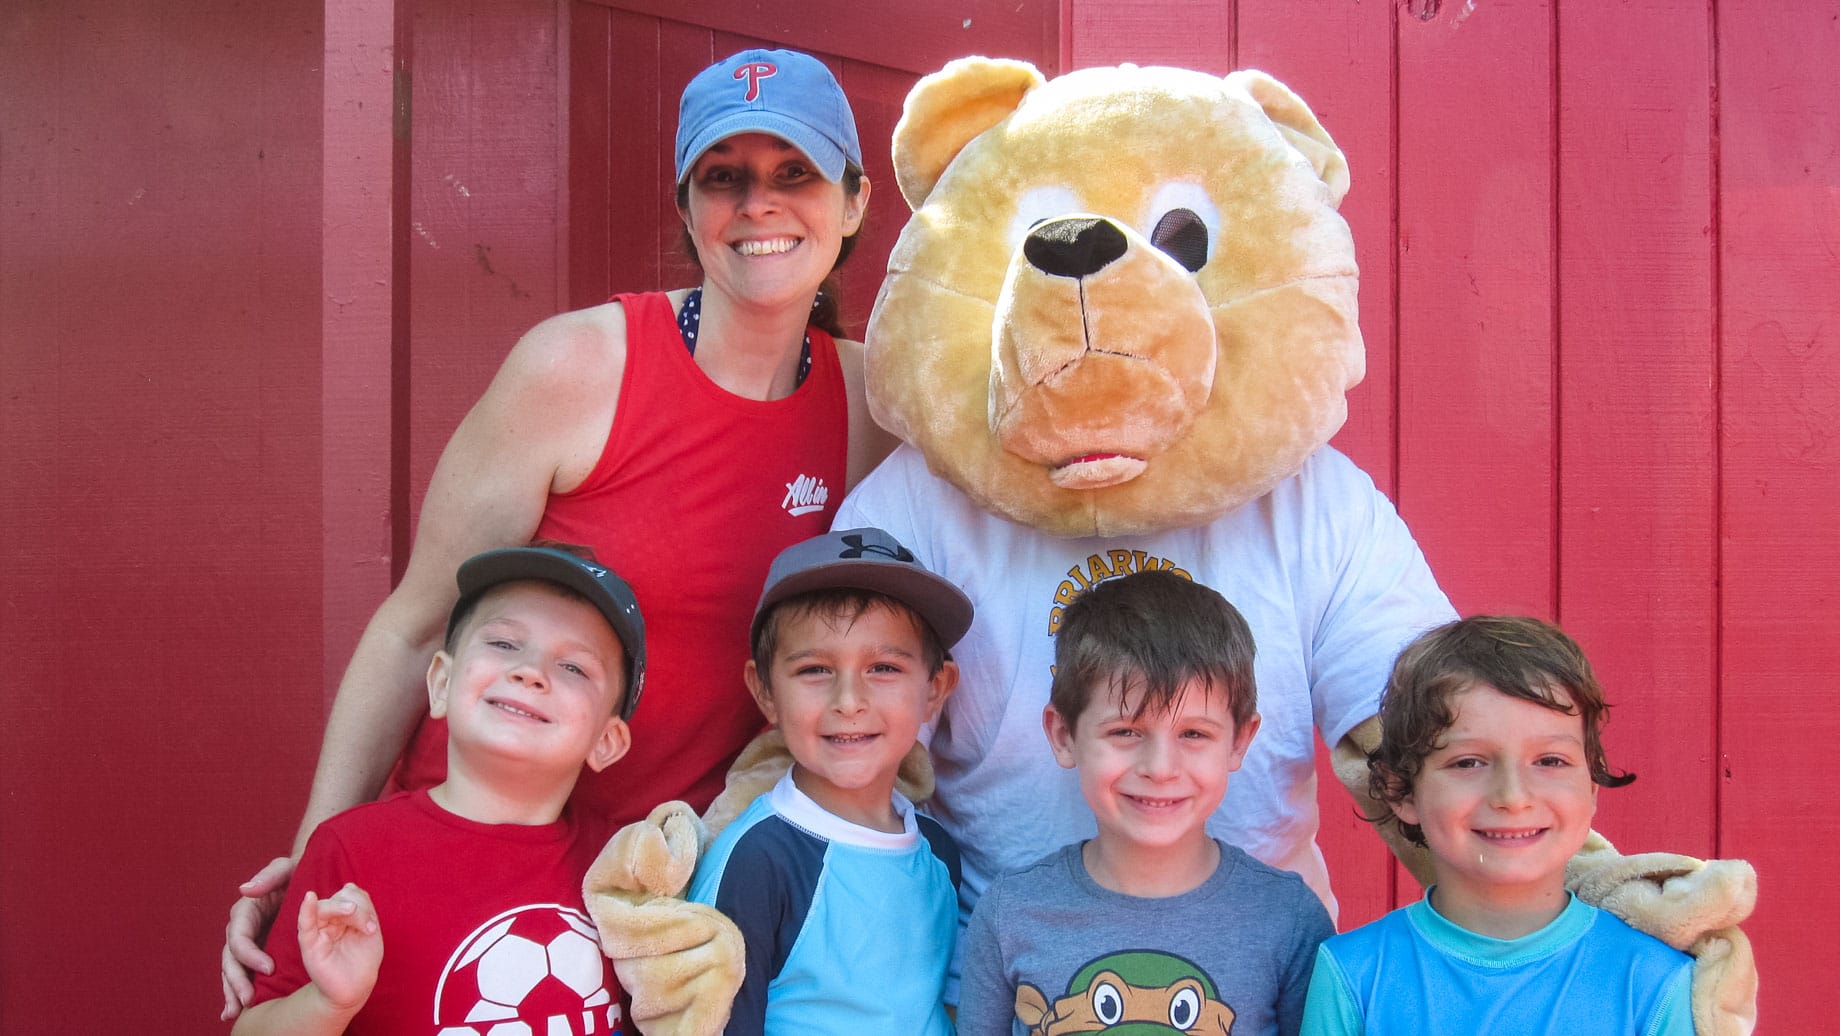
point(855, 548)
point(754, 72)
point(866, 559)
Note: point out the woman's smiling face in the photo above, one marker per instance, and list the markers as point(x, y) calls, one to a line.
point(767, 226)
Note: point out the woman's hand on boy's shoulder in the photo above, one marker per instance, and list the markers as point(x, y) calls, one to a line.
point(250, 918)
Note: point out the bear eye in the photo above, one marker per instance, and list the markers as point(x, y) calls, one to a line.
point(1185, 223)
point(1037, 205)
point(1107, 1003)
point(1182, 234)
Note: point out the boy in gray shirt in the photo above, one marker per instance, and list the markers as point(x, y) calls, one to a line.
point(1151, 921)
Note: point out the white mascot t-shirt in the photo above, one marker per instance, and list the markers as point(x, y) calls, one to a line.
point(1322, 567)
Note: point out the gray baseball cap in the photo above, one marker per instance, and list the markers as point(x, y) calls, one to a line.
point(867, 559)
point(600, 585)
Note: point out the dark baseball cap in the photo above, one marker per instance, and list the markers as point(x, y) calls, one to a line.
point(602, 587)
point(867, 559)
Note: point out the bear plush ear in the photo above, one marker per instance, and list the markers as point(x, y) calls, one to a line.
point(1299, 126)
point(948, 108)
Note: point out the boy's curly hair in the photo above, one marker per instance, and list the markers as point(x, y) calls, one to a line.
point(1520, 657)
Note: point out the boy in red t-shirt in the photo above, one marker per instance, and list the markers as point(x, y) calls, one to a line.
point(476, 881)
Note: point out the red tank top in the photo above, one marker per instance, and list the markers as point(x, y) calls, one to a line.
point(695, 492)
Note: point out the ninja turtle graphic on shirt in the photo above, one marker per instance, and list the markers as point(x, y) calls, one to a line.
point(1133, 993)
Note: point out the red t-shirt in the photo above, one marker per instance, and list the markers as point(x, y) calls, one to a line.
point(696, 491)
point(480, 922)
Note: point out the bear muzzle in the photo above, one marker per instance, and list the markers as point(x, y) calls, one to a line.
point(1104, 352)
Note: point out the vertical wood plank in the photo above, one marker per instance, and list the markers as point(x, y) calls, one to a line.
point(363, 192)
point(912, 37)
point(486, 211)
point(1340, 60)
point(642, 90)
point(876, 95)
point(1475, 327)
point(1779, 486)
point(159, 542)
point(683, 51)
point(1636, 432)
point(590, 155)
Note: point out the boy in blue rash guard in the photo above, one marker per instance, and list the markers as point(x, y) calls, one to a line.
point(1490, 755)
point(846, 897)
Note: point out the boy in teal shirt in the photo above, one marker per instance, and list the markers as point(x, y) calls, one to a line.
point(1491, 757)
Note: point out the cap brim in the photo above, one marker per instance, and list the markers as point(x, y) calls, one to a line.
point(485, 571)
point(943, 605)
point(828, 157)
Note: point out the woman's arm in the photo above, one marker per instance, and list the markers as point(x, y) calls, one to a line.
point(540, 427)
point(869, 443)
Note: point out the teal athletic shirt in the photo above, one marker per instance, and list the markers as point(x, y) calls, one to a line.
point(848, 930)
point(1413, 971)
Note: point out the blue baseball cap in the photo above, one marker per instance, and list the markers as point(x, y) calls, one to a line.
point(784, 93)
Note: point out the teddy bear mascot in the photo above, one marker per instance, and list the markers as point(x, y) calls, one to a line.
point(1117, 334)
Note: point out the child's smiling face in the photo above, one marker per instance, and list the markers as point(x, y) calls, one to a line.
point(534, 680)
point(850, 694)
point(1504, 801)
point(1152, 779)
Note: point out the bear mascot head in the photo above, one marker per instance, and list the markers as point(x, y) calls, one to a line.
point(1125, 300)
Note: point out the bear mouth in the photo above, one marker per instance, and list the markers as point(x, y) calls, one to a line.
point(1096, 471)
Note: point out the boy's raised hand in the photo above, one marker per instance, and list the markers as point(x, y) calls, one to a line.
point(341, 946)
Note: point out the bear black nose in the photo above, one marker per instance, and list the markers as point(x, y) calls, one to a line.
point(1073, 247)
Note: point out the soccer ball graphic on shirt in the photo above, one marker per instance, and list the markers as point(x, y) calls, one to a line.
point(533, 971)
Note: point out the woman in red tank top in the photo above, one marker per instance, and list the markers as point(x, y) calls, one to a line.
point(650, 428)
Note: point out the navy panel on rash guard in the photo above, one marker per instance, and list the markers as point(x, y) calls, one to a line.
point(771, 913)
point(848, 929)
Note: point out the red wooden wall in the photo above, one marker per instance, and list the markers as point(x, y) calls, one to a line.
point(1600, 247)
point(160, 437)
point(255, 261)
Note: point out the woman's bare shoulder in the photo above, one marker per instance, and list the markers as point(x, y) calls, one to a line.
point(557, 391)
point(570, 349)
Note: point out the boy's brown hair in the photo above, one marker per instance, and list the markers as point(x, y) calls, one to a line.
point(842, 604)
point(1157, 630)
point(1520, 657)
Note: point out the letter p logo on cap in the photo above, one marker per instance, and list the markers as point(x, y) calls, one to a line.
point(754, 72)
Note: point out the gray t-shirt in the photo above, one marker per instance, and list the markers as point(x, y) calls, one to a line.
point(1049, 950)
